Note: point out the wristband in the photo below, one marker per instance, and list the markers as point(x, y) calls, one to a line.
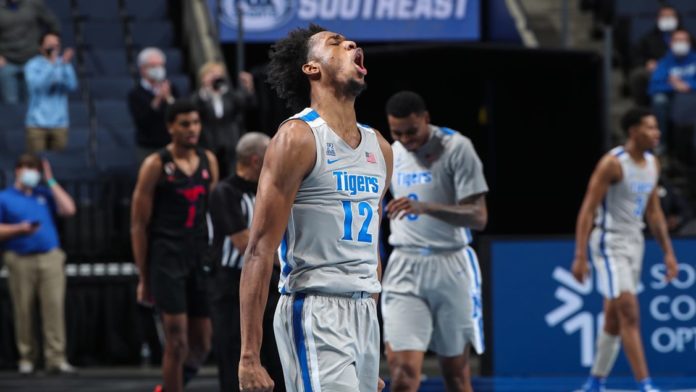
point(51, 182)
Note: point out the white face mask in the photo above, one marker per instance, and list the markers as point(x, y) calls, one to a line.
point(667, 23)
point(681, 48)
point(157, 74)
point(30, 178)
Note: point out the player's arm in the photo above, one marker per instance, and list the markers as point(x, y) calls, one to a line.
point(607, 172)
point(141, 211)
point(469, 212)
point(389, 161)
point(290, 156)
point(214, 169)
point(658, 226)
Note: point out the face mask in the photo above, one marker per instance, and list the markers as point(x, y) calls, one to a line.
point(50, 50)
point(157, 74)
point(681, 48)
point(667, 23)
point(219, 83)
point(30, 178)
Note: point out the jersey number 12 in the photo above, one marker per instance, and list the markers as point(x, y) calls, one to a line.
point(364, 209)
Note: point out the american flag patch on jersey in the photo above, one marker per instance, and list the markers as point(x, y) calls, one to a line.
point(370, 157)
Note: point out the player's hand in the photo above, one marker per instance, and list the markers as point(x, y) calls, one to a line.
point(580, 269)
point(143, 293)
point(380, 384)
point(672, 267)
point(254, 378)
point(403, 206)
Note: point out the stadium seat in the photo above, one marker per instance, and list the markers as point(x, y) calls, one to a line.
point(115, 123)
point(13, 143)
point(78, 138)
point(175, 62)
point(640, 25)
point(110, 87)
point(12, 117)
point(146, 10)
point(627, 8)
point(103, 35)
point(683, 112)
point(685, 7)
point(98, 10)
point(152, 33)
point(62, 9)
point(106, 62)
point(67, 35)
point(689, 23)
point(79, 114)
point(182, 84)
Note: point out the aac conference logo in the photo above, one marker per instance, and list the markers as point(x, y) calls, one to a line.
point(259, 15)
point(668, 324)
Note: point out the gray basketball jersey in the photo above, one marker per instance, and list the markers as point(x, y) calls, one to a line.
point(623, 207)
point(330, 244)
point(445, 170)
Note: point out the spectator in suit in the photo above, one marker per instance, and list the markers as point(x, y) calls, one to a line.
point(148, 103)
point(675, 73)
point(50, 77)
point(650, 49)
point(222, 108)
point(20, 29)
point(35, 261)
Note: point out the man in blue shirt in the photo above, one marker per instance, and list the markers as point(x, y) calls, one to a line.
point(35, 261)
point(675, 74)
point(50, 77)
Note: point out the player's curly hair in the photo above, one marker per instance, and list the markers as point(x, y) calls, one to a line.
point(285, 75)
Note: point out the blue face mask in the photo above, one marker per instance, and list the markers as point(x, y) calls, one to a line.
point(30, 178)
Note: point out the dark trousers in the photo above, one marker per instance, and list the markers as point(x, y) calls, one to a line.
point(226, 330)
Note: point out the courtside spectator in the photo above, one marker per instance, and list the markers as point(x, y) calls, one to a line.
point(35, 261)
point(675, 74)
point(148, 102)
point(222, 107)
point(50, 77)
point(650, 49)
point(20, 28)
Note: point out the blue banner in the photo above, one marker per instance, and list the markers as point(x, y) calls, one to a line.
point(546, 323)
point(359, 20)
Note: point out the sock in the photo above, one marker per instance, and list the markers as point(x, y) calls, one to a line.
point(189, 373)
point(608, 347)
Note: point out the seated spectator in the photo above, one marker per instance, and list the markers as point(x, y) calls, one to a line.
point(20, 28)
point(50, 77)
point(675, 206)
point(652, 47)
point(34, 260)
point(675, 74)
point(148, 102)
point(221, 107)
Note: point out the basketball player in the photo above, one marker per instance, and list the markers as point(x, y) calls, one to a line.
point(319, 196)
point(620, 194)
point(169, 235)
point(231, 211)
point(432, 285)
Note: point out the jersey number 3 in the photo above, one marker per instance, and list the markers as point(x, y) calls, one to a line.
point(364, 209)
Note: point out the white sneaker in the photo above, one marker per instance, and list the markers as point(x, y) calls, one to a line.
point(25, 368)
point(63, 368)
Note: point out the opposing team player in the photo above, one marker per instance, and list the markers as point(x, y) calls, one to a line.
point(169, 235)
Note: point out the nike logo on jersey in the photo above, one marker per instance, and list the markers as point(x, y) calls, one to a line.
point(330, 161)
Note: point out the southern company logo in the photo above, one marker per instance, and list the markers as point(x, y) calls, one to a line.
point(571, 312)
point(259, 15)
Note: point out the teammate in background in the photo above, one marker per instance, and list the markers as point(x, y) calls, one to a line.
point(621, 192)
point(231, 211)
point(319, 197)
point(169, 234)
point(432, 284)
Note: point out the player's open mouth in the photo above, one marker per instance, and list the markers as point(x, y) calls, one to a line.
point(358, 60)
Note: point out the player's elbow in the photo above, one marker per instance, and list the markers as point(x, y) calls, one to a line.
point(480, 220)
